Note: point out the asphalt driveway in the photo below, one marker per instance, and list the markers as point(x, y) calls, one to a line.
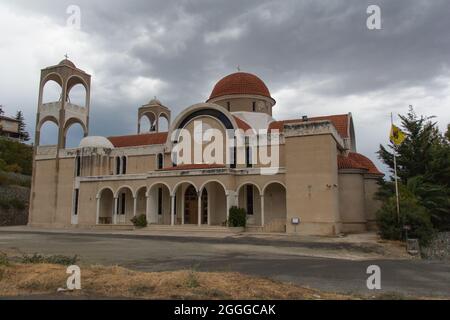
point(280, 260)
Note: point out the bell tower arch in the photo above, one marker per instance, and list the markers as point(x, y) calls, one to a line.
point(155, 111)
point(62, 112)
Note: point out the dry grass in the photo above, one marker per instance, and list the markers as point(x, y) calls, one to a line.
point(117, 282)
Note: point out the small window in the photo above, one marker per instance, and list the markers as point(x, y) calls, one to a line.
point(160, 161)
point(229, 106)
point(250, 200)
point(254, 106)
point(124, 165)
point(117, 165)
point(78, 166)
point(76, 197)
point(248, 154)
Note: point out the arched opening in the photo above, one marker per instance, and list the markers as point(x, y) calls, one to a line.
point(141, 201)
point(48, 134)
point(159, 202)
point(51, 92)
point(250, 200)
point(106, 207)
point(163, 123)
point(124, 206)
point(145, 125)
point(74, 134)
point(77, 95)
point(275, 213)
point(214, 204)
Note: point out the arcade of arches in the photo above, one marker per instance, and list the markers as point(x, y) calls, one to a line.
point(185, 204)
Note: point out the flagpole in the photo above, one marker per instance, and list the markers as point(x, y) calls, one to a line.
point(395, 176)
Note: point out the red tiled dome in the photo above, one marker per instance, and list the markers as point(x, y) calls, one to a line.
point(240, 83)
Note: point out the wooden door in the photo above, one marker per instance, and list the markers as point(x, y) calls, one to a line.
point(190, 206)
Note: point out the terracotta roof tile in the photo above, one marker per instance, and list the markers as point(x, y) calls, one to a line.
point(357, 161)
point(240, 83)
point(139, 140)
point(339, 121)
point(365, 162)
point(242, 124)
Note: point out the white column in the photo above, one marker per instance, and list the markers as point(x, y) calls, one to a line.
point(172, 210)
point(116, 205)
point(182, 208)
point(262, 210)
point(97, 219)
point(199, 209)
point(209, 209)
point(147, 208)
point(231, 201)
point(134, 206)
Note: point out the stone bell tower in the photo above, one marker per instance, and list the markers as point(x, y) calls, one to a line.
point(154, 111)
point(63, 113)
point(54, 165)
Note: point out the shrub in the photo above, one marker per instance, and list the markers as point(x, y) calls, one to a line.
point(55, 259)
point(237, 218)
point(411, 213)
point(140, 221)
point(4, 261)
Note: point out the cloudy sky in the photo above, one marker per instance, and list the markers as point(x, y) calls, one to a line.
point(316, 57)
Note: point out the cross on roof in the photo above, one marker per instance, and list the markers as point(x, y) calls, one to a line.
point(66, 56)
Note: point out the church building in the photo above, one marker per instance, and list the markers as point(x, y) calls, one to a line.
point(320, 184)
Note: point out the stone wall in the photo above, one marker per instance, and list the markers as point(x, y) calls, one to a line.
point(15, 212)
point(439, 248)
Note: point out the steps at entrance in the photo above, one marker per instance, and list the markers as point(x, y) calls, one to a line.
point(192, 228)
point(117, 227)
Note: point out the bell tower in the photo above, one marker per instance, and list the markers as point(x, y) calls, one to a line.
point(154, 111)
point(63, 113)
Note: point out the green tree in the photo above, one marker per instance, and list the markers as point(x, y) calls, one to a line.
point(23, 134)
point(1, 110)
point(423, 167)
point(13, 152)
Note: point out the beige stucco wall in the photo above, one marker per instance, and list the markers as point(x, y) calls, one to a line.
point(311, 181)
point(371, 204)
point(352, 202)
point(43, 203)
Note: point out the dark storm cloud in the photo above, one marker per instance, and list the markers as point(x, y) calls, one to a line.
point(189, 45)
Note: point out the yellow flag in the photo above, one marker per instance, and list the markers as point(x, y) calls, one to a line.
point(397, 136)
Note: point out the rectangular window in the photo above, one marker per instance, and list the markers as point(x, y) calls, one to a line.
point(254, 106)
point(228, 106)
point(160, 199)
point(250, 200)
point(117, 165)
point(248, 153)
point(78, 165)
point(124, 165)
point(77, 195)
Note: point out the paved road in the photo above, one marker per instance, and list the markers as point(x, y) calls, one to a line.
point(280, 260)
